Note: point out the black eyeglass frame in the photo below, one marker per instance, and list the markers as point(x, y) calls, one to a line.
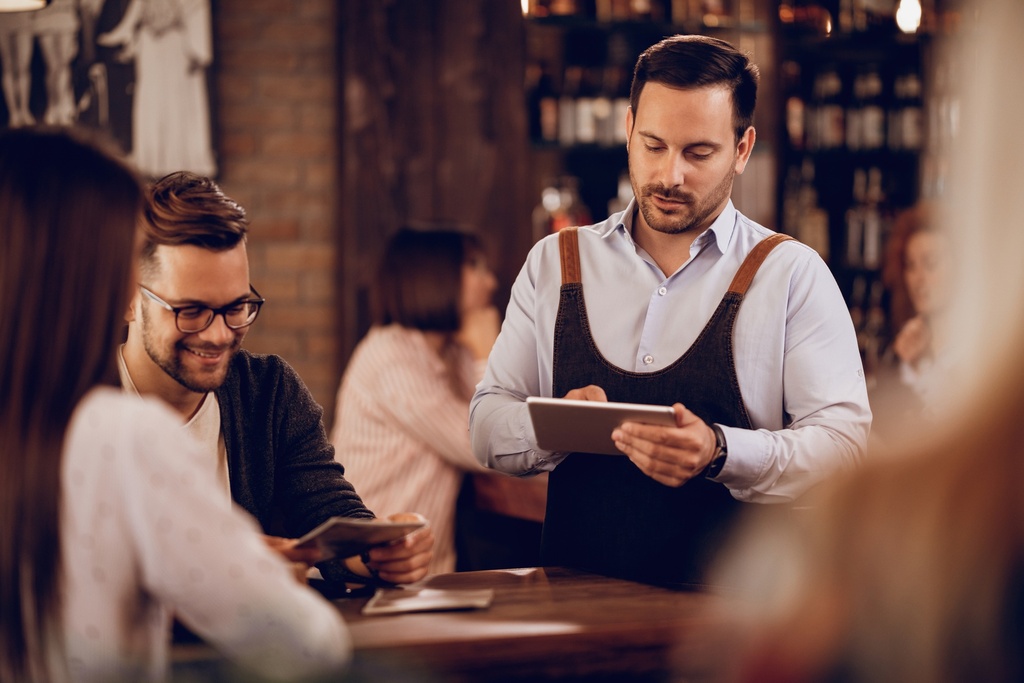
point(222, 311)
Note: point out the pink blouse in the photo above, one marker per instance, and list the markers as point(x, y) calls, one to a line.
point(401, 429)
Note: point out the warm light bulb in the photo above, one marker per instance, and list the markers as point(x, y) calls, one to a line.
point(908, 15)
point(525, 4)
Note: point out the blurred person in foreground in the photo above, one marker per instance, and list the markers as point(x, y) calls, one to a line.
point(109, 514)
point(912, 569)
point(678, 300)
point(402, 417)
point(259, 426)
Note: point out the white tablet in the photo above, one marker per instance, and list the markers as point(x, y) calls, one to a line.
point(563, 424)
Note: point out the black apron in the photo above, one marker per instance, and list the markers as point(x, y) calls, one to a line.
point(603, 513)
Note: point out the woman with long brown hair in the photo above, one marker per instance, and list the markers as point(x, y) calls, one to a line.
point(109, 520)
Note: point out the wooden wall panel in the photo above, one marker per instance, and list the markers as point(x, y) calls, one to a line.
point(433, 128)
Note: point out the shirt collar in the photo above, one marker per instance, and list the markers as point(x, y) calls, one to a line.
point(618, 222)
point(721, 230)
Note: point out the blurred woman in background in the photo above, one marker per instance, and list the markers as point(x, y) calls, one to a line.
point(109, 519)
point(910, 379)
point(401, 426)
point(919, 272)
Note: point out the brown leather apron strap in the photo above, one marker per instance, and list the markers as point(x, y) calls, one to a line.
point(749, 267)
point(569, 251)
point(569, 248)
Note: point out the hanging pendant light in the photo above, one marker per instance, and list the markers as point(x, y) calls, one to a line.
point(22, 5)
point(908, 15)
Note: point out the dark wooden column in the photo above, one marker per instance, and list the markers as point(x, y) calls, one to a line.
point(433, 128)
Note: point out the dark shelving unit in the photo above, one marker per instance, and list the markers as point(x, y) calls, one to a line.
point(585, 57)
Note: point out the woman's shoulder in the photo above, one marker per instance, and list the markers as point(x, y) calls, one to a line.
point(392, 341)
point(109, 402)
point(393, 351)
point(116, 437)
point(117, 420)
point(113, 405)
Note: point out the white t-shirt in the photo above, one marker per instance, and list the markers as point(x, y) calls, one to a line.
point(204, 426)
point(145, 533)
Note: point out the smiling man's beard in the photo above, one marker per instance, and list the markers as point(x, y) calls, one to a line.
point(169, 359)
point(692, 215)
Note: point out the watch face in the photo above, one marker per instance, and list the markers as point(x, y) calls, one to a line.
point(719, 442)
point(716, 466)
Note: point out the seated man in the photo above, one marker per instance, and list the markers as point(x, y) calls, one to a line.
point(252, 413)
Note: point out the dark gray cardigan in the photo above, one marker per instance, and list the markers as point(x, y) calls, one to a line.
point(281, 465)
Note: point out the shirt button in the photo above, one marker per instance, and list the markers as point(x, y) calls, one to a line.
point(662, 291)
point(648, 359)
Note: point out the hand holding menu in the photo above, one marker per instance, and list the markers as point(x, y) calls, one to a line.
point(347, 536)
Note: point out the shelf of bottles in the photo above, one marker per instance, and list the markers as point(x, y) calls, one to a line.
point(853, 135)
point(865, 117)
point(580, 56)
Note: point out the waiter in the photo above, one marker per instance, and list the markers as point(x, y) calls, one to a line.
point(678, 300)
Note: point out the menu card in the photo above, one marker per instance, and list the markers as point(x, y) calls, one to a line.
point(412, 599)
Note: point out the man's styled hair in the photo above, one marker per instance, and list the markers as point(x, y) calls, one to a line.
point(695, 61)
point(185, 208)
point(419, 282)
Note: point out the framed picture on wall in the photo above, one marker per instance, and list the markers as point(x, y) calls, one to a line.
point(135, 68)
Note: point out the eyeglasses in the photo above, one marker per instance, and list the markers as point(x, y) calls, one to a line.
point(196, 318)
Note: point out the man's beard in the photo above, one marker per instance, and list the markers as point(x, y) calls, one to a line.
point(689, 217)
point(175, 368)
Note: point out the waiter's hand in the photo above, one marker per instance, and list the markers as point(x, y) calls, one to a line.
point(406, 560)
point(670, 455)
point(591, 392)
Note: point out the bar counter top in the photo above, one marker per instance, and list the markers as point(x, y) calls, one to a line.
point(547, 623)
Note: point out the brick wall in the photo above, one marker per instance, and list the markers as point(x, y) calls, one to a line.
point(274, 96)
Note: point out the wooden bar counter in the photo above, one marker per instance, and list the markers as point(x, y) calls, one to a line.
point(543, 624)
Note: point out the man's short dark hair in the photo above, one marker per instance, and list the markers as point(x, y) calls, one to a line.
point(185, 208)
point(696, 61)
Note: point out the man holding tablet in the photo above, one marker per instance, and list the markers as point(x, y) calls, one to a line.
point(679, 300)
point(251, 413)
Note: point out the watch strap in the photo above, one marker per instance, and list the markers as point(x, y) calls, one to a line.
point(714, 468)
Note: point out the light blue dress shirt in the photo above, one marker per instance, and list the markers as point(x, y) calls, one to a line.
point(796, 353)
